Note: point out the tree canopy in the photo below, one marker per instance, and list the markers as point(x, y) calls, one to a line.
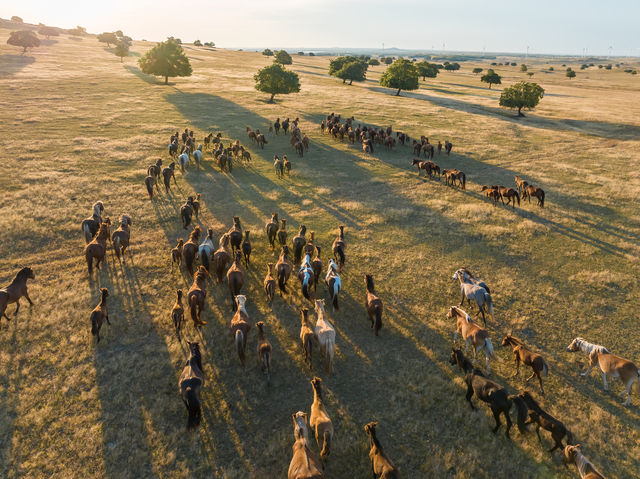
point(25, 39)
point(452, 66)
point(283, 58)
point(353, 71)
point(276, 80)
point(427, 70)
point(337, 63)
point(166, 59)
point(570, 74)
point(267, 52)
point(491, 77)
point(197, 43)
point(122, 49)
point(521, 95)
point(477, 70)
point(209, 44)
point(401, 74)
point(374, 62)
point(523, 68)
point(48, 31)
point(16, 19)
point(108, 38)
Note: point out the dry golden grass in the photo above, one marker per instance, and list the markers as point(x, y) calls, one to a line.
point(80, 126)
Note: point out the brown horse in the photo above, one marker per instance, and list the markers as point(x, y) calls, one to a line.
point(186, 212)
point(197, 294)
point(283, 269)
point(120, 237)
point(573, 455)
point(453, 175)
point(304, 463)
point(373, 305)
point(97, 248)
point(99, 314)
point(521, 353)
point(246, 248)
point(615, 367)
point(235, 278)
point(16, 290)
point(264, 351)
point(240, 326)
point(221, 257)
point(530, 191)
point(282, 232)
point(272, 230)
point(320, 420)
point(546, 421)
point(190, 250)
point(338, 247)
point(472, 334)
point(306, 336)
point(177, 313)
point(269, 283)
point(382, 466)
point(316, 265)
point(235, 234)
point(91, 225)
point(190, 383)
point(176, 254)
point(299, 241)
point(521, 184)
point(510, 194)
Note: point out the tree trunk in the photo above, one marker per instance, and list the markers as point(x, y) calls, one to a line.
point(166, 80)
point(489, 86)
point(121, 61)
point(344, 80)
point(272, 96)
point(398, 92)
point(350, 82)
point(520, 111)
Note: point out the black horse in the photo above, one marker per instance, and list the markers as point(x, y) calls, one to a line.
point(190, 384)
point(490, 392)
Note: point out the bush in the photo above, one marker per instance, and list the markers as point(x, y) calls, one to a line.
point(551, 69)
point(513, 64)
point(301, 54)
point(311, 54)
point(452, 66)
point(388, 61)
point(108, 38)
point(530, 74)
point(608, 67)
point(267, 52)
point(584, 66)
point(48, 31)
point(600, 66)
point(570, 74)
point(493, 64)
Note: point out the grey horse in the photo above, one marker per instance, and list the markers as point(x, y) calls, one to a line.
point(475, 290)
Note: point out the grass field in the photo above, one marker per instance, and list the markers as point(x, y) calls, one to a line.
point(79, 126)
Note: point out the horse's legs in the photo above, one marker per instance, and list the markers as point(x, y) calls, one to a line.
point(481, 308)
point(17, 308)
point(469, 395)
point(517, 367)
point(586, 373)
point(26, 295)
point(508, 418)
point(540, 382)
point(107, 318)
point(462, 300)
point(604, 380)
point(538, 433)
point(496, 416)
point(533, 374)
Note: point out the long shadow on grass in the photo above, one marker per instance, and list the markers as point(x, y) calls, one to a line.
point(12, 64)
point(618, 131)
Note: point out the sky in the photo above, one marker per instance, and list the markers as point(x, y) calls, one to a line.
point(545, 26)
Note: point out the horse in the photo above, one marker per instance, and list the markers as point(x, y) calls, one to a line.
point(573, 455)
point(298, 242)
point(287, 165)
point(615, 367)
point(206, 250)
point(521, 353)
point(261, 140)
point(197, 294)
point(196, 205)
point(190, 250)
point(334, 283)
point(240, 326)
point(190, 383)
point(472, 334)
point(221, 257)
point(546, 421)
point(579, 344)
point(490, 392)
point(382, 466)
point(306, 276)
point(97, 247)
point(186, 212)
point(176, 254)
point(282, 232)
point(439, 146)
point(276, 126)
point(283, 269)
point(269, 283)
point(373, 305)
point(91, 225)
point(264, 351)
point(173, 148)
point(493, 193)
point(246, 248)
point(285, 125)
point(197, 156)
point(338, 247)
point(325, 335)
point(316, 265)
point(155, 170)
point(530, 191)
point(149, 183)
point(453, 175)
point(168, 173)
point(447, 146)
point(320, 421)
point(16, 290)
point(472, 291)
point(235, 234)
point(306, 336)
point(272, 230)
point(99, 314)
point(468, 276)
point(304, 463)
point(177, 313)
point(510, 194)
point(183, 160)
point(235, 278)
point(120, 237)
point(521, 184)
point(277, 165)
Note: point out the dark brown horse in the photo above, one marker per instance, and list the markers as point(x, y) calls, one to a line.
point(190, 383)
point(186, 212)
point(235, 278)
point(530, 191)
point(546, 421)
point(339, 246)
point(283, 269)
point(197, 294)
point(534, 360)
point(221, 257)
point(246, 248)
point(190, 250)
point(373, 304)
point(282, 232)
point(299, 241)
point(272, 229)
point(100, 314)
point(453, 175)
point(235, 234)
point(16, 290)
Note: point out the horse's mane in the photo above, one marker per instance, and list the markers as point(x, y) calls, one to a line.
point(461, 313)
point(195, 234)
point(531, 403)
point(370, 287)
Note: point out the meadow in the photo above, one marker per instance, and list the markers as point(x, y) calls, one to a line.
point(80, 126)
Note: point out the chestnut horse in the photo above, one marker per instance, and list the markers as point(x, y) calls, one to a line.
point(304, 463)
point(190, 250)
point(521, 353)
point(235, 278)
point(320, 420)
point(373, 305)
point(240, 326)
point(197, 294)
point(97, 248)
point(382, 466)
point(221, 257)
point(472, 334)
point(16, 290)
point(269, 283)
point(530, 191)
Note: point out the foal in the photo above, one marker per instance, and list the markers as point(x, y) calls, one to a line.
point(16, 290)
point(100, 313)
point(373, 305)
point(190, 383)
point(521, 353)
point(320, 420)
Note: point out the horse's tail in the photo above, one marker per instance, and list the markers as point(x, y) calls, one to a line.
point(193, 406)
point(326, 446)
point(522, 410)
point(204, 257)
point(545, 368)
point(187, 220)
point(305, 291)
point(308, 347)
point(334, 299)
point(378, 324)
point(282, 282)
point(188, 259)
point(87, 232)
point(571, 440)
point(489, 348)
point(542, 198)
point(340, 253)
point(240, 345)
point(487, 298)
point(518, 197)
point(116, 245)
point(89, 257)
point(329, 351)
point(193, 308)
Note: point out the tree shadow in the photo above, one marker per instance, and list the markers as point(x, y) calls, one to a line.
point(11, 64)
point(150, 79)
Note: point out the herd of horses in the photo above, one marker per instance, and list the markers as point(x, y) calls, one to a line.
point(300, 256)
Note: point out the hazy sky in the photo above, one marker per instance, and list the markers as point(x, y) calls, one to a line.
point(506, 25)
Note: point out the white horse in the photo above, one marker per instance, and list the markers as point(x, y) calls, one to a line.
point(334, 283)
point(183, 160)
point(206, 250)
point(473, 291)
point(326, 336)
point(579, 344)
point(469, 278)
point(197, 156)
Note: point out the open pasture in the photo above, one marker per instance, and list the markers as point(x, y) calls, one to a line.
point(79, 126)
